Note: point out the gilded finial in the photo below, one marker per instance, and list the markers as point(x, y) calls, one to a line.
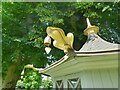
point(90, 29)
point(60, 40)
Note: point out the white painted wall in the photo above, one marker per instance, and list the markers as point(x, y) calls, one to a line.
point(100, 79)
point(106, 78)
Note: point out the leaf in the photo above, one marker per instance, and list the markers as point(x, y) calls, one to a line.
point(105, 8)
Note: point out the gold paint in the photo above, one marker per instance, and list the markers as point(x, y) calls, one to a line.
point(90, 28)
point(60, 40)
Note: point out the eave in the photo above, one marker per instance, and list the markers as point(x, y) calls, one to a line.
point(96, 53)
point(79, 61)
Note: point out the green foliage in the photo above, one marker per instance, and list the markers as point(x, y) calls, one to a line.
point(47, 84)
point(24, 29)
point(30, 80)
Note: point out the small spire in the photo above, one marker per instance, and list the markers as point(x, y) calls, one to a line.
point(88, 22)
point(90, 28)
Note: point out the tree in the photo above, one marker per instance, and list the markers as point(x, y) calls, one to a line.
point(19, 41)
point(29, 80)
point(24, 27)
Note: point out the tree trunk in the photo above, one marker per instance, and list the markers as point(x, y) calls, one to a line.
point(12, 75)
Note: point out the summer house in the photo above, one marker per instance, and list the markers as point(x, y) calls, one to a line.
point(95, 65)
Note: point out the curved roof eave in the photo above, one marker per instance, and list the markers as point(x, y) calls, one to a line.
point(94, 45)
point(77, 54)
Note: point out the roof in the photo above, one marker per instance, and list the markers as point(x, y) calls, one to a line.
point(96, 43)
point(94, 46)
point(95, 50)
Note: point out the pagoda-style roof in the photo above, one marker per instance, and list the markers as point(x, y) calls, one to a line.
point(91, 50)
point(95, 45)
point(95, 53)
